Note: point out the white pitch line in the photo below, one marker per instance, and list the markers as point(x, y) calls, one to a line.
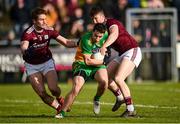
point(160, 89)
point(37, 103)
point(137, 105)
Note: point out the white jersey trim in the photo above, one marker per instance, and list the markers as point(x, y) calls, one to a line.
point(30, 30)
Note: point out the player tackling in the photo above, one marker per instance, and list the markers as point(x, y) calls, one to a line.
point(122, 66)
point(38, 58)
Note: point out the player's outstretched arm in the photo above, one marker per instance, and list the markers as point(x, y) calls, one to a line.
point(66, 42)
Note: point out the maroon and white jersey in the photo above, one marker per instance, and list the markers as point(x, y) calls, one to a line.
point(124, 41)
point(40, 42)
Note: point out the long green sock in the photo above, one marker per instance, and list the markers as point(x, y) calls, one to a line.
point(97, 98)
point(62, 112)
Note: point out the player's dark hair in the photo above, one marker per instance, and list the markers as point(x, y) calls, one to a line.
point(36, 12)
point(95, 10)
point(100, 28)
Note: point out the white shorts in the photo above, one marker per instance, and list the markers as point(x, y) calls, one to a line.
point(43, 68)
point(133, 55)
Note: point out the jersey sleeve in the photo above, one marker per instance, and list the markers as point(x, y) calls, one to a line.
point(25, 37)
point(53, 34)
point(110, 22)
point(86, 49)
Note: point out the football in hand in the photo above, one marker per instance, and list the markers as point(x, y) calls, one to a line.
point(97, 56)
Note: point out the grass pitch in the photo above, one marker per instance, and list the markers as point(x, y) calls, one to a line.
point(154, 102)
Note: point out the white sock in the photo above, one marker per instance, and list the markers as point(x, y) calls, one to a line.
point(120, 97)
point(130, 107)
point(55, 104)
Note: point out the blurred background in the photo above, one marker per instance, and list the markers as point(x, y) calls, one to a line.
point(153, 23)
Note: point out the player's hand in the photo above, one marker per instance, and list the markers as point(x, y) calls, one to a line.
point(103, 50)
point(29, 52)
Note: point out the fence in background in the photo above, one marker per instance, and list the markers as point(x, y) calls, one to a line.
point(156, 31)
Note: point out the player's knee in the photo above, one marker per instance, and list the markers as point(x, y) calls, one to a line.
point(118, 80)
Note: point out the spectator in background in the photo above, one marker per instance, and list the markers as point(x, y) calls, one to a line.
point(63, 24)
point(44, 2)
point(52, 16)
point(156, 57)
point(152, 4)
point(119, 12)
point(7, 4)
point(137, 31)
point(176, 4)
point(1, 11)
point(77, 23)
point(144, 3)
point(87, 20)
point(134, 3)
point(161, 61)
point(138, 37)
point(156, 60)
point(108, 6)
point(155, 4)
point(1, 15)
point(32, 4)
point(20, 16)
point(72, 5)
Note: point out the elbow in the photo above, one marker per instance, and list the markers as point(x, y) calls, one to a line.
point(87, 62)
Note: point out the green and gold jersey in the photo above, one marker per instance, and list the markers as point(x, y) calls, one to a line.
point(86, 46)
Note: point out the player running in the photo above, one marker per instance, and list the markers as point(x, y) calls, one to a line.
point(85, 67)
point(122, 66)
point(38, 58)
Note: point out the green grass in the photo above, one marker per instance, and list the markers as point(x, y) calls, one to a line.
point(154, 102)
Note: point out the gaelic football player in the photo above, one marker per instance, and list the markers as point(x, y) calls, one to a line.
point(122, 66)
point(38, 59)
point(85, 67)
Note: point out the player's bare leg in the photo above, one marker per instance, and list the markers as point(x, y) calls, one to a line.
point(101, 77)
point(37, 83)
point(52, 81)
point(78, 82)
point(123, 71)
point(111, 68)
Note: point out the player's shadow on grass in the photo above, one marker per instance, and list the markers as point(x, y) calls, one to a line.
point(98, 116)
point(27, 116)
point(92, 116)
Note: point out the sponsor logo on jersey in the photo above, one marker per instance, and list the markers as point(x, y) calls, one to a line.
point(46, 37)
